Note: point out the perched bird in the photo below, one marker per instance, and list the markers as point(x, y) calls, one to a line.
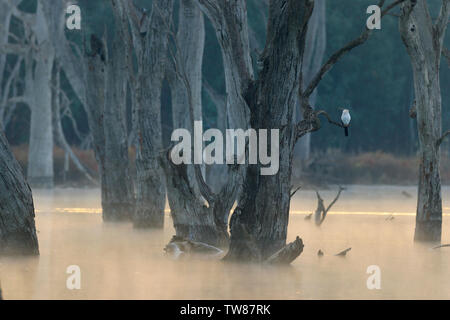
point(320, 253)
point(345, 118)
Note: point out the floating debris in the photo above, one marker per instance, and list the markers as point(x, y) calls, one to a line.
point(343, 253)
point(406, 194)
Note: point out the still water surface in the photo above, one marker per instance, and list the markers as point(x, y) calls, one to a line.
point(118, 262)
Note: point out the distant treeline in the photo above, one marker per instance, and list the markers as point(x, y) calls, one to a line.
point(374, 80)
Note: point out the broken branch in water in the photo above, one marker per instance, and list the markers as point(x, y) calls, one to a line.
point(343, 253)
point(321, 212)
point(287, 254)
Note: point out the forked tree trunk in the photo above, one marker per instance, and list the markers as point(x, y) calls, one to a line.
point(190, 216)
point(263, 209)
point(423, 41)
point(17, 226)
point(40, 153)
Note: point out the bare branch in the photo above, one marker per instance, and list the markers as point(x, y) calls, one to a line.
point(324, 113)
point(441, 22)
point(294, 192)
point(446, 54)
point(341, 52)
point(441, 139)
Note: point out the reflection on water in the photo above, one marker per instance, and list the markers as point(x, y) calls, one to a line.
point(118, 262)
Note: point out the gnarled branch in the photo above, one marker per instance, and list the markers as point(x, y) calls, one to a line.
point(341, 52)
point(441, 139)
point(442, 21)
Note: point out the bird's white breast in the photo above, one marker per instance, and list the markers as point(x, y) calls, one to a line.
point(346, 118)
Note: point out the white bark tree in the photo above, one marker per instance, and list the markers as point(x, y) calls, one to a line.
point(423, 40)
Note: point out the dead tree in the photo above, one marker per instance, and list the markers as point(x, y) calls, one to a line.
point(321, 211)
point(118, 201)
point(191, 218)
point(38, 95)
point(207, 222)
point(17, 226)
point(88, 70)
point(263, 208)
point(423, 40)
point(148, 36)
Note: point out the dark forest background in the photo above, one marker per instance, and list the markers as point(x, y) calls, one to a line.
point(374, 81)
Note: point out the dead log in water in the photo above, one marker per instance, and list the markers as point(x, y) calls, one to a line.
point(179, 247)
point(287, 254)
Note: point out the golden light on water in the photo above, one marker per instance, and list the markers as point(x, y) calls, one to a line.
point(377, 213)
point(119, 262)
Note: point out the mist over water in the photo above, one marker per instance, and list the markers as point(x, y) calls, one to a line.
point(118, 262)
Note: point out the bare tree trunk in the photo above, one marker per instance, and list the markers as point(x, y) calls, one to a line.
point(263, 208)
point(149, 39)
point(423, 41)
point(188, 212)
point(118, 201)
point(216, 174)
point(312, 61)
point(40, 153)
point(95, 73)
point(17, 226)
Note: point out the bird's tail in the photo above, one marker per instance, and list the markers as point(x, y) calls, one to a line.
point(346, 131)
